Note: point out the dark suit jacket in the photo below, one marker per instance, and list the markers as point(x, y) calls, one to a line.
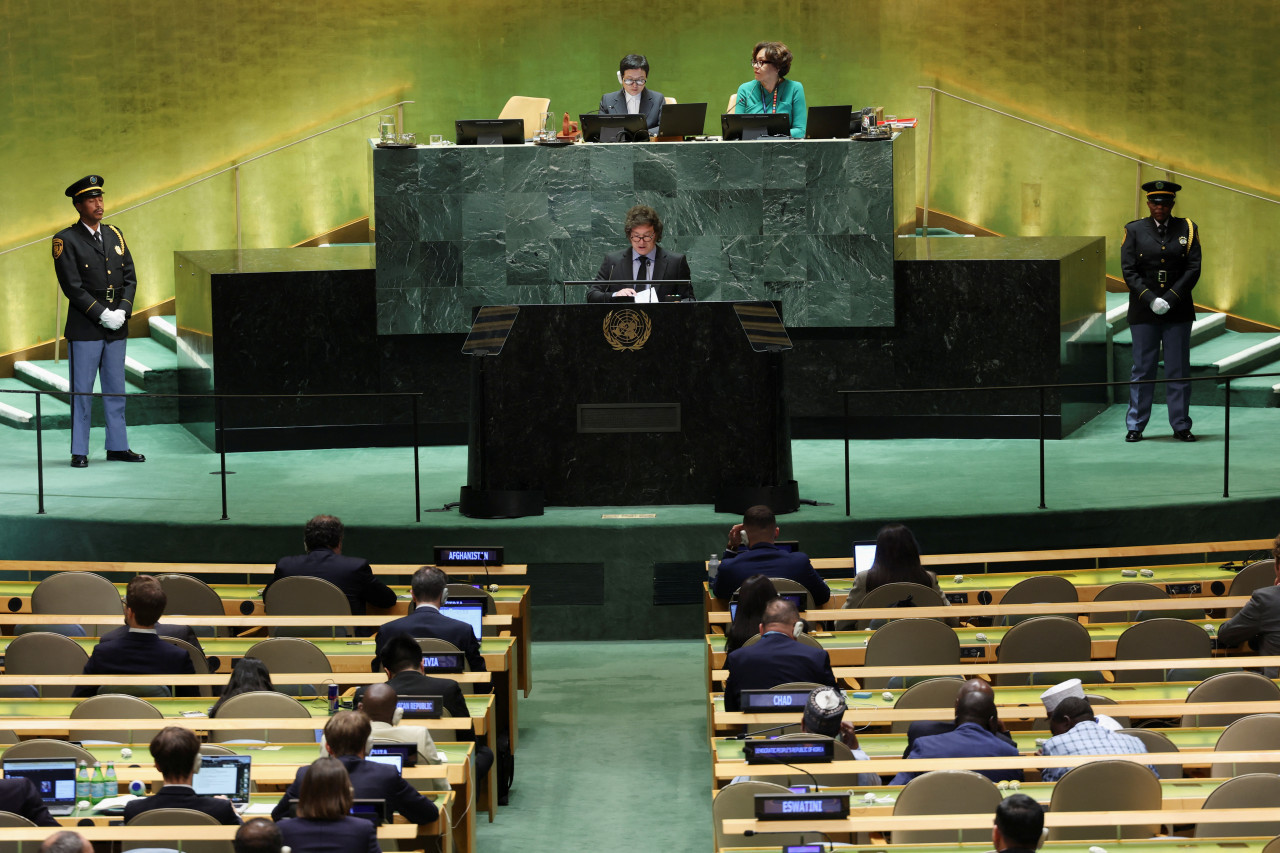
point(348, 835)
point(85, 272)
point(352, 575)
point(765, 558)
point(925, 728)
point(22, 797)
point(430, 622)
point(372, 781)
point(179, 632)
point(1260, 617)
point(615, 104)
point(133, 653)
point(774, 659)
point(1143, 256)
point(410, 683)
point(968, 740)
point(666, 265)
point(183, 797)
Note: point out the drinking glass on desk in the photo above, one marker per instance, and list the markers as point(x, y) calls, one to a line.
point(387, 128)
point(437, 139)
point(544, 126)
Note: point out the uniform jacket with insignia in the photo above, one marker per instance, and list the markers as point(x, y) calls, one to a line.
point(1143, 257)
point(94, 280)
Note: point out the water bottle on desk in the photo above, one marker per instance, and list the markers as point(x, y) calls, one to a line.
point(97, 785)
point(111, 785)
point(713, 566)
point(84, 791)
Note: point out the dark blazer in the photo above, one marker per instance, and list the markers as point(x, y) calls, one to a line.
point(1260, 617)
point(183, 797)
point(1143, 256)
point(430, 622)
point(925, 728)
point(666, 265)
point(968, 740)
point(21, 797)
point(346, 835)
point(410, 683)
point(774, 659)
point(178, 632)
point(352, 575)
point(615, 104)
point(85, 272)
point(765, 558)
point(372, 781)
point(134, 653)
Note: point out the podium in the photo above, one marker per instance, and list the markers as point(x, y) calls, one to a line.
point(627, 405)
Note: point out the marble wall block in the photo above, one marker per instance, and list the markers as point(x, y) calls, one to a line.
point(809, 222)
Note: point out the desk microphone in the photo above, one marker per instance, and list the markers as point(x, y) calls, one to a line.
point(773, 760)
point(750, 735)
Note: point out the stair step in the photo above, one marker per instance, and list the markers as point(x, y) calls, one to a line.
point(45, 375)
point(19, 410)
point(1263, 352)
point(1209, 353)
point(165, 331)
point(53, 376)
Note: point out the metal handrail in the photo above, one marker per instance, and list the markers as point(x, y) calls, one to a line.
point(414, 397)
point(1138, 161)
point(845, 394)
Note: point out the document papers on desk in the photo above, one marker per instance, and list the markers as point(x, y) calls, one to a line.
point(649, 294)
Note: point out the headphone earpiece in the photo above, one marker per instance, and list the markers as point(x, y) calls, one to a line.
point(797, 629)
point(397, 716)
point(195, 765)
point(619, 78)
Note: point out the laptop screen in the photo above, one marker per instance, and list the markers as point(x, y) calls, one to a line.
point(408, 752)
point(394, 759)
point(864, 554)
point(54, 777)
point(466, 610)
point(796, 598)
point(223, 776)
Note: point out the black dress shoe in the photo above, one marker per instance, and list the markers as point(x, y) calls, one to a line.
point(125, 456)
point(78, 461)
point(1184, 435)
point(1133, 435)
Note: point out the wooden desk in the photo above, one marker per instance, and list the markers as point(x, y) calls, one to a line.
point(348, 659)
point(245, 599)
point(1145, 845)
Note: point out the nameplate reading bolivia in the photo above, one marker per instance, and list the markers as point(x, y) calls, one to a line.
point(627, 329)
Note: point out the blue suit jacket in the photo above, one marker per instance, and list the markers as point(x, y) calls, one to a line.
point(430, 622)
point(774, 659)
point(21, 797)
point(348, 835)
point(183, 797)
point(372, 781)
point(136, 653)
point(765, 558)
point(352, 575)
point(615, 103)
point(968, 740)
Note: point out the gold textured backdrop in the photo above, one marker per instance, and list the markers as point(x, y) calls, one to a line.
point(153, 93)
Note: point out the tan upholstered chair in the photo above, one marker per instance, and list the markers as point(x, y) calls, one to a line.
point(43, 653)
point(291, 655)
point(1042, 589)
point(1156, 741)
point(306, 596)
point(1109, 785)
point(178, 817)
point(188, 596)
point(946, 792)
point(1229, 687)
point(116, 706)
point(46, 748)
point(529, 110)
point(1251, 791)
point(262, 703)
point(910, 642)
point(934, 693)
point(1040, 640)
point(738, 801)
point(1160, 638)
point(1256, 732)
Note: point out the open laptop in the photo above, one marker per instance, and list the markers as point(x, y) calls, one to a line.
point(55, 779)
point(392, 759)
point(864, 554)
point(224, 776)
point(683, 120)
point(829, 122)
point(632, 127)
point(796, 598)
point(408, 752)
point(469, 610)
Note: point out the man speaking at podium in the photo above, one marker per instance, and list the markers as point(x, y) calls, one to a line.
point(643, 262)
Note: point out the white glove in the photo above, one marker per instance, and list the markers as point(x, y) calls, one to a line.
point(1159, 306)
point(112, 319)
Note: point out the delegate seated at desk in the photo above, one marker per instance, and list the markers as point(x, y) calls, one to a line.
point(776, 658)
point(139, 651)
point(634, 98)
point(770, 92)
point(644, 261)
point(177, 756)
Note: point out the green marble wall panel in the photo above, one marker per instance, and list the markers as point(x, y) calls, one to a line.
point(810, 223)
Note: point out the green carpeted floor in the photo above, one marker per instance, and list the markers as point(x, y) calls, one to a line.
point(613, 753)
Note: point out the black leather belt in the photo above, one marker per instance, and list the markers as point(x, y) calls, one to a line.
point(109, 294)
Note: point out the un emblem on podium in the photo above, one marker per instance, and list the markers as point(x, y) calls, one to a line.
point(627, 329)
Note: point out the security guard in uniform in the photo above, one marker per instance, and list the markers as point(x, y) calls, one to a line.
point(1160, 258)
point(95, 271)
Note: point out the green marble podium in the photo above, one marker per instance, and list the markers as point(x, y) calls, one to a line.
point(810, 223)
